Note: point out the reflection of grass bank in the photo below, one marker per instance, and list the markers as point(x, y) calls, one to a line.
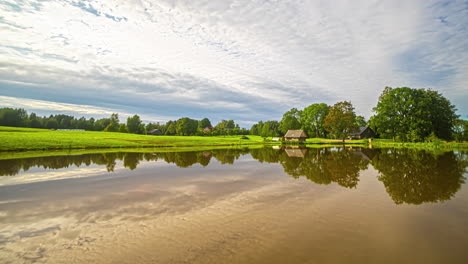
point(443, 145)
point(335, 141)
point(74, 152)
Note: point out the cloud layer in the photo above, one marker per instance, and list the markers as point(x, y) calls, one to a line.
point(242, 60)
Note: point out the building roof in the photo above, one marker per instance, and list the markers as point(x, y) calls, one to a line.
point(154, 131)
point(295, 134)
point(359, 131)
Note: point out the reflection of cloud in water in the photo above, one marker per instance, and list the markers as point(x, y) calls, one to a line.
point(207, 211)
point(33, 177)
point(77, 223)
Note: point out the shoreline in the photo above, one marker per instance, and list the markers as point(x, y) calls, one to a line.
point(19, 141)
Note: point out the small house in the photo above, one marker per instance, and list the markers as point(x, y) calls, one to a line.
point(295, 135)
point(362, 132)
point(207, 129)
point(154, 132)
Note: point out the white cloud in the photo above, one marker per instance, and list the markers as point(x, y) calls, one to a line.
point(73, 109)
point(257, 57)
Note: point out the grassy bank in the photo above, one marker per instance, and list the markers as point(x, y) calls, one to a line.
point(29, 139)
point(20, 139)
point(443, 145)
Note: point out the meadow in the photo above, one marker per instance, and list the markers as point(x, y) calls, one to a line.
point(14, 138)
point(53, 141)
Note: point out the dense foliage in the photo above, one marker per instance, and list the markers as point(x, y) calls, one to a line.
point(341, 120)
point(407, 114)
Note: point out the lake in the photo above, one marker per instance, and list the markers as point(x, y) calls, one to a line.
point(265, 205)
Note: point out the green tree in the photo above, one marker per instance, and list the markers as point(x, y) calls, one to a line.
point(270, 129)
point(460, 130)
point(113, 125)
point(123, 128)
point(290, 120)
point(360, 121)
point(134, 125)
point(34, 121)
point(408, 114)
point(171, 128)
point(205, 122)
point(313, 119)
point(52, 123)
point(341, 120)
point(13, 117)
point(186, 126)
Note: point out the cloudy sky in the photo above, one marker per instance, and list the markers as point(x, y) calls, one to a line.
point(226, 59)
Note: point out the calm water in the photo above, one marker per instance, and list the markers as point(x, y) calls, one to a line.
point(236, 206)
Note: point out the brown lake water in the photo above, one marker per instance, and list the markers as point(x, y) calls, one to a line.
point(328, 205)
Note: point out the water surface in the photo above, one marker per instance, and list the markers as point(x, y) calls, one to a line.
point(236, 206)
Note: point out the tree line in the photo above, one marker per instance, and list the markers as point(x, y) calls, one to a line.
point(184, 126)
point(401, 114)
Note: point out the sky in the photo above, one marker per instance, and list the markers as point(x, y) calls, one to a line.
point(226, 59)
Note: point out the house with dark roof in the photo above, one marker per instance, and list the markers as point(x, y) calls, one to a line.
point(295, 135)
point(154, 132)
point(362, 132)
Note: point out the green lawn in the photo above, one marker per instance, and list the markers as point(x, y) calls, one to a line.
point(13, 138)
point(22, 139)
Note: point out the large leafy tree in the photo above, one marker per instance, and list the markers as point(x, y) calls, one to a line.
point(134, 125)
point(205, 122)
point(256, 129)
point(408, 114)
point(113, 126)
point(170, 128)
point(360, 121)
point(461, 130)
point(341, 119)
point(290, 120)
point(270, 129)
point(313, 119)
point(186, 126)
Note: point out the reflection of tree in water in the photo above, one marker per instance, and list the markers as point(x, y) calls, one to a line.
point(324, 166)
point(130, 160)
point(415, 176)
point(409, 176)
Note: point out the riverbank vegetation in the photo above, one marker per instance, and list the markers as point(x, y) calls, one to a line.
point(403, 115)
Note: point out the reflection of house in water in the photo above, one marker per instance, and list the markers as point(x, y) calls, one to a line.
point(364, 153)
point(207, 154)
point(295, 152)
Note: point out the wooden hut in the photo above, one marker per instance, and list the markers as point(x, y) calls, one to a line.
point(362, 132)
point(208, 129)
point(295, 135)
point(154, 132)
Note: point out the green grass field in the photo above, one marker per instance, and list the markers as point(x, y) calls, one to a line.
point(13, 138)
point(29, 139)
